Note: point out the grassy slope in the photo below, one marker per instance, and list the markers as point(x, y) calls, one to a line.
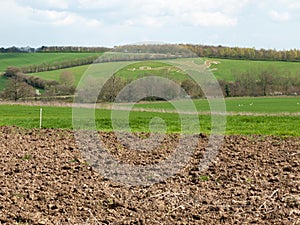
point(61, 117)
point(226, 68)
point(26, 59)
point(77, 71)
point(158, 68)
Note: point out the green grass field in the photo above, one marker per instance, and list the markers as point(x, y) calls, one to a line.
point(61, 117)
point(226, 69)
point(138, 70)
point(26, 59)
point(253, 105)
point(3, 82)
point(131, 72)
point(77, 72)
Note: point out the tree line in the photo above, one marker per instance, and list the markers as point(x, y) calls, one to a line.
point(244, 53)
point(61, 49)
point(15, 49)
point(72, 49)
point(170, 50)
point(261, 82)
point(183, 50)
point(58, 65)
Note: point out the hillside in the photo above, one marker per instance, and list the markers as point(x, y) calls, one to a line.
point(27, 59)
point(226, 69)
point(132, 71)
point(238, 77)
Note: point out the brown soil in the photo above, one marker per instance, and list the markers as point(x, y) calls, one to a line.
point(45, 180)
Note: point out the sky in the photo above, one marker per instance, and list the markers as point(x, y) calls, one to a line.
point(269, 24)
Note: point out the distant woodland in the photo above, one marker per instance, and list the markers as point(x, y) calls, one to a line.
point(201, 51)
point(244, 53)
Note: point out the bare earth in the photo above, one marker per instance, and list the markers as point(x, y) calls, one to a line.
point(45, 180)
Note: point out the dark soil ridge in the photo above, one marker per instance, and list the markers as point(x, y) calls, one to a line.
point(44, 180)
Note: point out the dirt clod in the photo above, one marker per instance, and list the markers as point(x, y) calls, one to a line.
point(44, 179)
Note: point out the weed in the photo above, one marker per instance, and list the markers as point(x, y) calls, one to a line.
point(204, 178)
point(18, 195)
point(249, 180)
point(27, 157)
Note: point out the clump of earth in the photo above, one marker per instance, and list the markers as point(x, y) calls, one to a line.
point(44, 179)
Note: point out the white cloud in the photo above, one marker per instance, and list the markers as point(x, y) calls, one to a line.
point(210, 19)
point(290, 4)
point(157, 12)
point(279, 17)
point(148, 13)
point(294, 6)
point(101, 4)
point(148, 21)
point(61, 4)
point(101, 22)
point(46, 4)
point(57, 18)
point(30, 16)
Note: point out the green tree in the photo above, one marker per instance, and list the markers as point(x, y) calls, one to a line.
point(227, 90)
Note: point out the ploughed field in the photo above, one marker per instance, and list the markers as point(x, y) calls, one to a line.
point(44, 179)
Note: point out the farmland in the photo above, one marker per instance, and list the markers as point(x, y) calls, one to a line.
point(46, 178)
point(77, 72)
point(27, 59)
point(272, 120)
point(133, 71)
point(225, 70)
point(271, 105)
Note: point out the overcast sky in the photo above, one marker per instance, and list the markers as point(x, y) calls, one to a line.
point(242, 23)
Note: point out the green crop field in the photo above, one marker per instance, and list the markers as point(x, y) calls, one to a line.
point(226, 68)
point(253, 105)
point(26, 59)
point(61, 117)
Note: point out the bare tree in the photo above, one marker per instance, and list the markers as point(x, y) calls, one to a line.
point(17, 89)
point(111, 89)
point(66, 83)
point(192, 88)
point(265, 80)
